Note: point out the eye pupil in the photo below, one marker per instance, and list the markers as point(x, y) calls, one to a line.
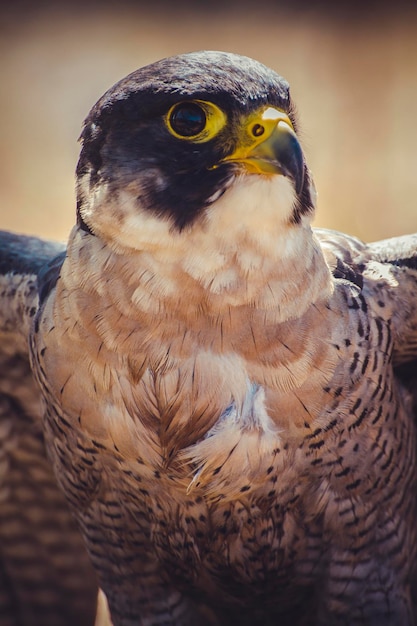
point(258, 130)
point(188, 119)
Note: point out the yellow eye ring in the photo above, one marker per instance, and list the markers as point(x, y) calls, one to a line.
point(195, 120)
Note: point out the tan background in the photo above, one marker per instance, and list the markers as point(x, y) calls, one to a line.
point(353, 77)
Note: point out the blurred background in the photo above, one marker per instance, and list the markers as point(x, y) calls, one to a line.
point(352, 67)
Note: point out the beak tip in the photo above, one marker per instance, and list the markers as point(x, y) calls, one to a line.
point(291, 157)
point(274, 151)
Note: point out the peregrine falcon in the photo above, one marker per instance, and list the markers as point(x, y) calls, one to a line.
point(229, 394)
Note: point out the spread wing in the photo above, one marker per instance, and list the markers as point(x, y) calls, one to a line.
point(45, 573)
point(400, 253)
point(393, 263)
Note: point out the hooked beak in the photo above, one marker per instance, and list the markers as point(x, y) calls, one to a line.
point(268, 145)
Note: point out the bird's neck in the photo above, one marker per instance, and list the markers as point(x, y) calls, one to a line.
point(199, 287)
point(149, 319)
point(244, 252)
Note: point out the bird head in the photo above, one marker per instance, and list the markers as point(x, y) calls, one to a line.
point(172, 141)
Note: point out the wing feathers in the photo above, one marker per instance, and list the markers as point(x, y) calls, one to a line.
point(29, 267)
point(45, 574)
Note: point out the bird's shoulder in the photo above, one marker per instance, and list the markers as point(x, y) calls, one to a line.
point(29, 268)
point(385, 272)
point(385, 269)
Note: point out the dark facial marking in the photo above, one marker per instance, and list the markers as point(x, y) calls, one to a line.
point(125, 139)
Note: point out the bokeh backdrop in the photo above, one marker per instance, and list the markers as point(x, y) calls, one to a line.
point(352, 69)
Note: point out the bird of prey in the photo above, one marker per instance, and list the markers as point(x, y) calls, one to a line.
point(229, 393)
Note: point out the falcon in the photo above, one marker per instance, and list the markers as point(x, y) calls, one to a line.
point(229, 394)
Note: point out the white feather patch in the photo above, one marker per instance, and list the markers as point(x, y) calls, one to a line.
point(237, 450)
point(243, 249)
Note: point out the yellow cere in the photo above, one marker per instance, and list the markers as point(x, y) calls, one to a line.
point(261, 124)
point(260, 133)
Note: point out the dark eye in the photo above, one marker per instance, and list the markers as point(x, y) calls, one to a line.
point(187, 119)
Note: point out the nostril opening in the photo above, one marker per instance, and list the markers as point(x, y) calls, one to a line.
point(258, 130)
